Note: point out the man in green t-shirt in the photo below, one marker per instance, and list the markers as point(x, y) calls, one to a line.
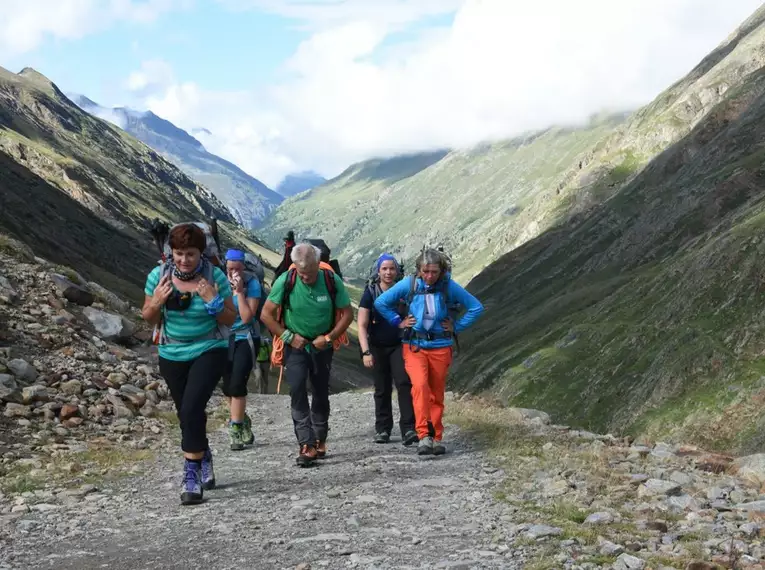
point(310, 322)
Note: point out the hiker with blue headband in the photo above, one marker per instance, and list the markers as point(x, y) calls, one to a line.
point(244, 333)
point(381, 350)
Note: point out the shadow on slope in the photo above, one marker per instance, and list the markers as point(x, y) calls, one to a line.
point(61, 230)
point(645, 312)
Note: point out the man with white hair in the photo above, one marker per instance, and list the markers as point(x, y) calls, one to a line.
point(309, 309)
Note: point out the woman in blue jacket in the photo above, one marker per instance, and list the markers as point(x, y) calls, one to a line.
point(428, 338)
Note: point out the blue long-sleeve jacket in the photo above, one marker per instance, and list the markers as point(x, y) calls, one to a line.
point(387, 303)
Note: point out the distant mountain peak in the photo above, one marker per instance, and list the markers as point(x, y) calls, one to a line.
point(298, 182)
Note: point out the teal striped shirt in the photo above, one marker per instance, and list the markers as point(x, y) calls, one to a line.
point(192, 323)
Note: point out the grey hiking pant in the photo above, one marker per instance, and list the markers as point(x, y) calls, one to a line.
point(311, 422)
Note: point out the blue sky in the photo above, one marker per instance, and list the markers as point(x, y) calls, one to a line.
point(291, 85)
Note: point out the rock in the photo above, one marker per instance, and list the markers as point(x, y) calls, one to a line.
point(72, 292)
point(17, 411)
point(599, 518)
point(654, 487)
point(8, 294)
point(629, 562)
point(753, 506)
point(22, 370)
point(68, 411)
point(35, 393)
point(541, 531)
point(750, 467)
point(108, 325)
point(117, 378)
point(608, 548)
point(110, 299)
point(529, 414)
point(9, 390)
point(71, 388)
point(681, 478)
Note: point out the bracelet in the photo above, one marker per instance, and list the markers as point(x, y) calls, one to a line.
point(287, 336)
point(215, 305)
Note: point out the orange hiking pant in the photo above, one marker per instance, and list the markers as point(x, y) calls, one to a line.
point(427, 369)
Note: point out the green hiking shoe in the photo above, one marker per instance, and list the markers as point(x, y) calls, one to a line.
point(236, 436)
point(247, 434)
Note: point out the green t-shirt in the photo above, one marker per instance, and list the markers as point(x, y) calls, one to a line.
point(310, 308)
point(191, 323)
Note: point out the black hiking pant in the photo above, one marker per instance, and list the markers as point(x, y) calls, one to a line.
point(239, 367)
point(389, 370)
point(311, 422)
point(191, 383)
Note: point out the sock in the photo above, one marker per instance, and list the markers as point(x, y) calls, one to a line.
point(237, 422)
point(195, 461)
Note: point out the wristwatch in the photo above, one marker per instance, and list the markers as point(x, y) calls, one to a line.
point(328, 339)
point(366, 353)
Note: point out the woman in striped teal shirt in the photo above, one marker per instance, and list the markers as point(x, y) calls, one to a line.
point(193, 346)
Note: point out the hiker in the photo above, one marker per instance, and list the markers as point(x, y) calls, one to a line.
point(190, 301)
point(308, 310)
point(289, 243)
point(382, 352)
point(428, 338)
point(263, 364)
point(243, 349)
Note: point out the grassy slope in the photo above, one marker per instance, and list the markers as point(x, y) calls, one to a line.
point(645, 313)
point(477, 202)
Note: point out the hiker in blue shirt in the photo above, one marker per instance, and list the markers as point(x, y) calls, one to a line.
point(381, 351)
point(429, 328)
point(243, 348)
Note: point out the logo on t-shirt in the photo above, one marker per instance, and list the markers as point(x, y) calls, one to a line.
point(322, 298)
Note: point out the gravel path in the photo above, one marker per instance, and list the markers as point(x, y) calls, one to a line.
point(364, 506)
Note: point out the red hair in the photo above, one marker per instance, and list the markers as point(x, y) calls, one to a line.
point(188, 235)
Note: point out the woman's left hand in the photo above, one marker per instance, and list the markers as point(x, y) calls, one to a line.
point(206, 291)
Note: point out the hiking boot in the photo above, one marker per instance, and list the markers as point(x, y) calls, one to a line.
point(247, 435)
point(382, 437)
point(321, 449)
point(236, 436)
point(425, 446)
point(208, 475)
point(410, 437)
point(438, 448)
point(191, 488)
point(307, 455)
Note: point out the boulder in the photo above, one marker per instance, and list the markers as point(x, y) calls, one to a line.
point(108, 325)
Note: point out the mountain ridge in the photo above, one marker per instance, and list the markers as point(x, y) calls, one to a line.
point(247, 198)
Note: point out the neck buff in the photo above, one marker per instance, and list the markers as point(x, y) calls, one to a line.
point(191, 274)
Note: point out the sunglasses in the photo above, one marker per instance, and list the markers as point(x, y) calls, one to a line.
point(178, 301)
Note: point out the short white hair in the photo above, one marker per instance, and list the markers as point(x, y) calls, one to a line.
point(305, 254)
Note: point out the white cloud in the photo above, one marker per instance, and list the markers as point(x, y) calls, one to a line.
point(503, 67)
point(154, 75)
point(25, 24)
point(328, 13)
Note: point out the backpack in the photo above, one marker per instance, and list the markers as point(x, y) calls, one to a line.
point(253, 269)
point(211, 254)
point(326, 254)
point(326, 272)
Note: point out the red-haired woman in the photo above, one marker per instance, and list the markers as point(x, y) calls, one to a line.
point(192, 348)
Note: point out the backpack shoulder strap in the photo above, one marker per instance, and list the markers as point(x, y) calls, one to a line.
point(289, 285)
point(412, 290)
point(329, 281)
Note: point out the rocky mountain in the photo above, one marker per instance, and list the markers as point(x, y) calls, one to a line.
point(80, 191)
point(299, 182)
point(644, 312)
point(248, 199)
point(478, 202)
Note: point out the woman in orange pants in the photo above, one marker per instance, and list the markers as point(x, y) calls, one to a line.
point(430, 326)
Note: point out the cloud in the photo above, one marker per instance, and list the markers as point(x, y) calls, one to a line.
point(329, 13)
point(28, 23)
point(503, 67)
point(154, 75)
